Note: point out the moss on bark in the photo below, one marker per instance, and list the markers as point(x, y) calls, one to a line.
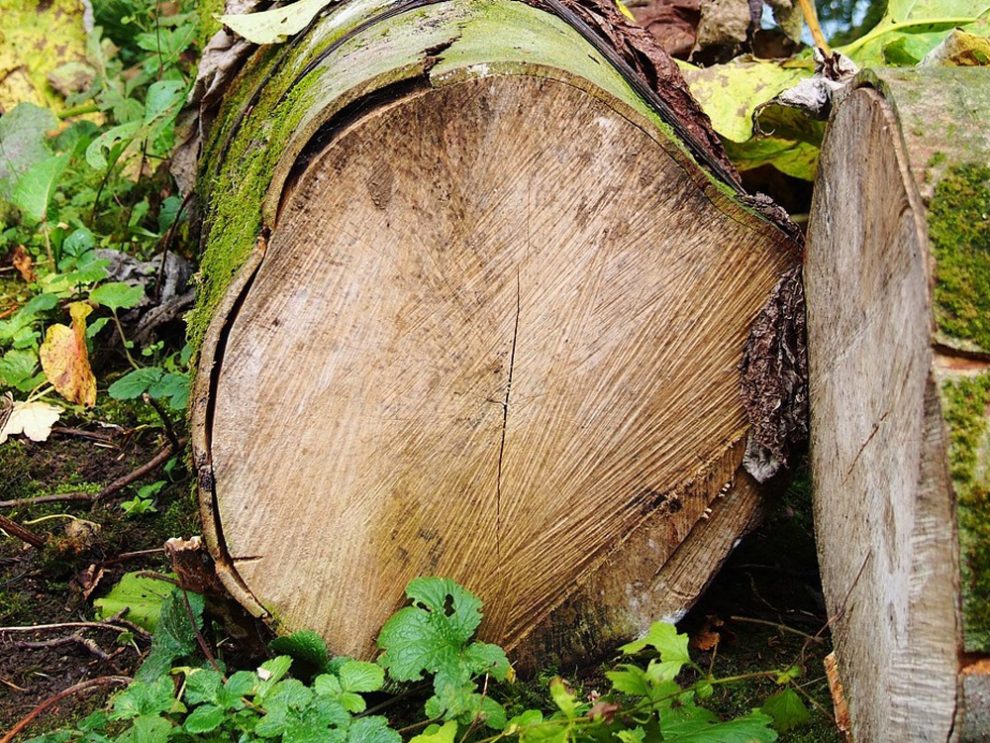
point(966, 407)
point(959, 229)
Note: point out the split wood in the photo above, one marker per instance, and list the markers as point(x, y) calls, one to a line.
point(55, 699)
point(122, 482)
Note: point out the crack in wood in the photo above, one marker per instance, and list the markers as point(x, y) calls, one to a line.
point(505, 422)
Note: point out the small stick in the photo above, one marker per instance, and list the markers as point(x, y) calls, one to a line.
point(53, 700)
point(67, 625)
point(75, 639)
point(124, 556)
point(81, 433)
point(22, 533)
point(199, 636)
point(119, 484)
point(166, 420)
point(811, 18)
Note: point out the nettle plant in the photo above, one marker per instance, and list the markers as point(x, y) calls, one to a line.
point(432, 638)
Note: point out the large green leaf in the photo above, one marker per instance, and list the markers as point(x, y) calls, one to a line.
point(141, 596)
point(175, 634)
point(35, 187)
point(23, 142)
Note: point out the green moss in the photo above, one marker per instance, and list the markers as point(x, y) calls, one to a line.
point(208, 25)
point(966, 407)
point(959, 229)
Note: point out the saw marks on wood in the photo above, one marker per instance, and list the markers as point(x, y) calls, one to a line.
point(498, 327)
point(883, 504)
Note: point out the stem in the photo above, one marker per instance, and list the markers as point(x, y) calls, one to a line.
point(123, 339)
point(783, 627)
point(68, 113)
point(53, 700)
point(811, 19)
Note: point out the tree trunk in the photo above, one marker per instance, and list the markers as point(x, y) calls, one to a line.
point(475, 302)
point(898, 291)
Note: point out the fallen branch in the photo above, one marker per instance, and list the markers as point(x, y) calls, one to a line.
point(53, 700)
point(22, 533)
point(119, 484)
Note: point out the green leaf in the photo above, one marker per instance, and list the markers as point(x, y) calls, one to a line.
point(117, 295)
point(175, 636)
point(147, 730)
point(164, 97)
point(691, 724)
point(437, 734)
point(360, 676)
point(372, 730)
point(425, 636)
point(203, 685)
point(135, 383)
point(564, 698)
point(34, 189)
point(18, 368)
point(142, 597)
point(111, 143)
point(305, 647)
point(632, 680)
point(203, 719)
point(143, 698)
point(787, 710)
point(664, 637)
point(274, 26)
point(23, 142)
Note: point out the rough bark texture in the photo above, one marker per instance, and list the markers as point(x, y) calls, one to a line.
point(897, 294)
point(472, 307)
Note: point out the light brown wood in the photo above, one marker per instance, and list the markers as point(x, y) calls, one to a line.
point(885, 500)
point(495, 336)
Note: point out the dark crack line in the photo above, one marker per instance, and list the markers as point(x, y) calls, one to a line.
point(505, 422)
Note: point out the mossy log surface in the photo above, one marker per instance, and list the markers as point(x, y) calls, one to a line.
point(898, 291)
point(470, 307)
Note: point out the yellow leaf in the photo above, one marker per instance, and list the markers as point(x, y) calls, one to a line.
point(33, 419)
point(65, 359)
point(625, 11)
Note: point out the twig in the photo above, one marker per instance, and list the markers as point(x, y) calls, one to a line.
point(124, 556)
point(167, 243)
point(82, 434)
point(199, 636)
point(11, 684)
point(22, 533)
point(811, 18)
point(119, 484)
point(76, 639)
point(777, 625)
point(166, 420)
point(123, 624)
point(53, 700)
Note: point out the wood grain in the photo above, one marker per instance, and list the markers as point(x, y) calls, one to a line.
point(885, 502)
point(496, 335)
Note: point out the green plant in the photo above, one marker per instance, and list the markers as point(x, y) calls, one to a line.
point(144, 501)
point(650, 699)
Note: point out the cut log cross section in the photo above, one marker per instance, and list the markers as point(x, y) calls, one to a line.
point(899, 361)
point(495, 334)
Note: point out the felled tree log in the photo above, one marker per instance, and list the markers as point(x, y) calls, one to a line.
point(475, 301)
point(898, 291)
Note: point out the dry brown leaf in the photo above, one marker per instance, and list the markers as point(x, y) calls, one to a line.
point(65, 359)
point(23, 263)
point(710, 634)
point(33, 419)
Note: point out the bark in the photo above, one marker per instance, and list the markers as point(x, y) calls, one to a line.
point(474, 304)
point(899, 368)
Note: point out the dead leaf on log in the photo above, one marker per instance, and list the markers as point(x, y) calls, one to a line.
point(23, 263)
point(65, 358)
point(673, 23)
point(33, 419)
